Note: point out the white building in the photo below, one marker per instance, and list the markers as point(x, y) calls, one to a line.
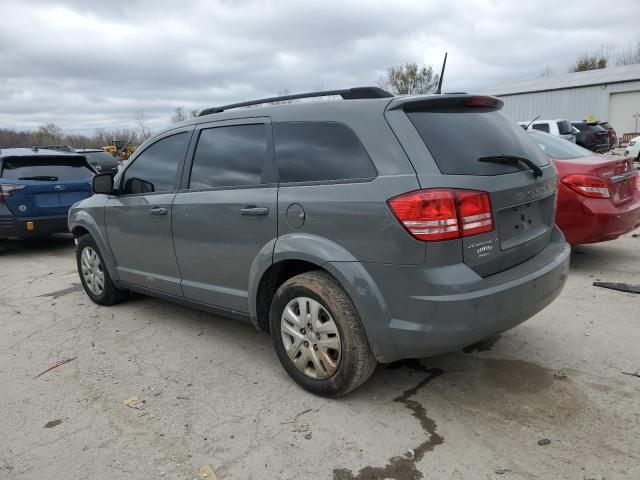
point(611, 94)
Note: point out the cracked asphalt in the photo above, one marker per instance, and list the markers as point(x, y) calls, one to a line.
point(156, 390)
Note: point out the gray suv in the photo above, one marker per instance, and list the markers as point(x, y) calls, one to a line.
point(356, 231)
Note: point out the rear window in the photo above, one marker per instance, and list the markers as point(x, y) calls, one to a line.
point(53, 169)
point(543, 127)
point(320, 151)
point(559, 148)
point(103, 158)
point(584, 127)
point(565, 127)
point(458, 137)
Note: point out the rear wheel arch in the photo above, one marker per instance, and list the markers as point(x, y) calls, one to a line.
point(270, 281)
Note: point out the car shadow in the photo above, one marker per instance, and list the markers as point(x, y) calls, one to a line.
point(596, 256)
point(50, 243)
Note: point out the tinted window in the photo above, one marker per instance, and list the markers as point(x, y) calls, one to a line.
point(543, 127)
point(559, 148)
point(564, 127)
point(320, 151)
point(458, 137)
point(154, 170)
point(229, 156)
point(103, 158)
point(45, 169)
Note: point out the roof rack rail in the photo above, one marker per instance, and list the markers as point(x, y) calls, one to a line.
point(347, 94)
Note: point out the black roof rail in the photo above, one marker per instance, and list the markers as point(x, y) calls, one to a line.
point(346, 93)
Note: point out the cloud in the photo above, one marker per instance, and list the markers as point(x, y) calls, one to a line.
point(88, 64)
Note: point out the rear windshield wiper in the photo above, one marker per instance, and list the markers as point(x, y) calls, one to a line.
point(512, 160)
point(40, 177)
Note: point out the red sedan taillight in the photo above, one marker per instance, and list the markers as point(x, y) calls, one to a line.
point(592, 187)
point(443, 214)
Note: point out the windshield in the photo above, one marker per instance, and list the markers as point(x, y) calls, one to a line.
point(53, 169)
point(559, 148)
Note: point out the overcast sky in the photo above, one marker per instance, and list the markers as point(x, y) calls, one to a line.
point(85, 64)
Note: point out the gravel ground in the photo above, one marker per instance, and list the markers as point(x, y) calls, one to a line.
point(156, 390)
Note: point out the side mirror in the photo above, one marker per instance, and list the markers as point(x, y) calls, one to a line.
point(102, 183)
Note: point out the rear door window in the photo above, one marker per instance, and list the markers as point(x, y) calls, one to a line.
point(458, 137)
point(231, 156)
point(543, 127)
point(53, 169)
point(320, 151)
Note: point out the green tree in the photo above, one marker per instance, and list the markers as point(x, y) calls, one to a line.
point(591, 61)
point(410, 79)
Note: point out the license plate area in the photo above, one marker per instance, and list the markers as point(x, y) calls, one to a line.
point(521, 223)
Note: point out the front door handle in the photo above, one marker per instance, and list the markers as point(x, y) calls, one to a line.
point(253, 211)
point(158, 211)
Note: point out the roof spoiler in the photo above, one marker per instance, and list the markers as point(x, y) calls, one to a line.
point(438, 101)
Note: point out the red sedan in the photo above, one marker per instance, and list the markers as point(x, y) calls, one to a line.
point(598, 196)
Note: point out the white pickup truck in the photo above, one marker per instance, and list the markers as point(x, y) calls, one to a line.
point(558, 127)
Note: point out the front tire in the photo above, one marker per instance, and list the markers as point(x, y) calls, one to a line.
point(318, 335)
point(94, 276)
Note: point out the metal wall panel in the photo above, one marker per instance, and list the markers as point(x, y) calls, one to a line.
point(573, 104)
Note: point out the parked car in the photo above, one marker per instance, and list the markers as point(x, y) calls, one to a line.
point(101, 161)
point(592, 136)
point(37, 187)
point(613, 137)
point(558, 127)
point(633, 149)
point(598, 198)
point(355, 232)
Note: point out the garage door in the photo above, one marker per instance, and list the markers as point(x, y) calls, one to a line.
point(622, 106)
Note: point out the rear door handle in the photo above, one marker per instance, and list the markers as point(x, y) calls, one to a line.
point(158, 211)
point(253, 211)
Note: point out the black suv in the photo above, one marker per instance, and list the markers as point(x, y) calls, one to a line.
point(102, 161)
point(592, 136)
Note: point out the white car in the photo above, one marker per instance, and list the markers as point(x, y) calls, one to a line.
point(633, 149)
point(558, 127)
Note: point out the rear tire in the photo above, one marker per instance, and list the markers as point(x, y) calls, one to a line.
point(94, 276)
point(337, 357)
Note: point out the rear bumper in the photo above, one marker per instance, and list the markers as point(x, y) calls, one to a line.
point(12, 227)
point(598, 220)
point(442, 309)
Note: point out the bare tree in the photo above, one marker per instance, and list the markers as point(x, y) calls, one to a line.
point(178, 115)
point(547, 71)
point(143, 131)
point(194, 113)
point(410, 79)
point(630, 55)
point(49, 133)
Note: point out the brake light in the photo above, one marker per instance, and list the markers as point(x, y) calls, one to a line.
point(592, 187)
point(443, 214)
point(7, 188)
point(483, 102)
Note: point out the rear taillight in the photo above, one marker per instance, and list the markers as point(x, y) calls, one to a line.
point(443, 214)
point(588, 186)
point(7, 188)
